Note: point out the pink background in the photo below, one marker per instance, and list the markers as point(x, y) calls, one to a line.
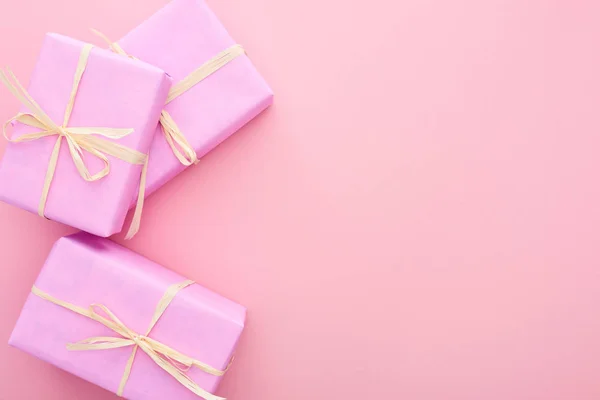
point(415, 218)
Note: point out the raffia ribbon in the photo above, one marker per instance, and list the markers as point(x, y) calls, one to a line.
point(78, 139)
point(182, 149)
point(173, 362)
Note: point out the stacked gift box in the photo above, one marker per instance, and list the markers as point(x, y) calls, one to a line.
point(99, 130)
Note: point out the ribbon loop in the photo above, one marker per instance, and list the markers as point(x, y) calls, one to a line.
point(173, 362)
point(182, 149)
point(79, 139)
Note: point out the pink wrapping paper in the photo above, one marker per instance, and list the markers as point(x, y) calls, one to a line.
point(83, 269)
point(179, 38)
point(114, 92)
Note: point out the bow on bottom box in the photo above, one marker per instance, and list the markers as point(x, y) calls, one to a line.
point(127, 324)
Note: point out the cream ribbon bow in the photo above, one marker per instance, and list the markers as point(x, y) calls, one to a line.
point(78, 139)
point(182, 149)
point(173, 362)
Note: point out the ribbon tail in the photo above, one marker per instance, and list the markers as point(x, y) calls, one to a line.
point(100, 343)
point(111, 133)
point(181, 361)
point(212, 370)
point(49, 176)
point(127, 372)
point(137, 215)
point(183, 378)
point(117, 150)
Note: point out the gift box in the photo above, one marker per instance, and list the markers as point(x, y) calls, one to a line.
point(216, 88)
point(81, 140)
point(96, 303)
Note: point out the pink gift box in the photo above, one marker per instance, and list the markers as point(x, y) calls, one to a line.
point(179, 38)
point(114, 92)
point(83, 270)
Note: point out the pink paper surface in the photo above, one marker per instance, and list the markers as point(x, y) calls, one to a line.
point(83, 269)
point(415, 218)
point(114, 92)
point(179, 38)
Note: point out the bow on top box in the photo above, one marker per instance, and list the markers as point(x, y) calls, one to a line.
point(125, 323)
point(78, 149)
point(216, 88)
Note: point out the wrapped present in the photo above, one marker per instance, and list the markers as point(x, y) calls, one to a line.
point(78, 149)
point(125, 323)
point(216, 88)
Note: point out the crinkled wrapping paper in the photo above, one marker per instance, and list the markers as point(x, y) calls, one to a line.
point(179, 38)
point(114, 92)
point(83, 269)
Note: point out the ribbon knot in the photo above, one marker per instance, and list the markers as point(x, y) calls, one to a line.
point(172, 361)
point(138, 339)
point(91, 140)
